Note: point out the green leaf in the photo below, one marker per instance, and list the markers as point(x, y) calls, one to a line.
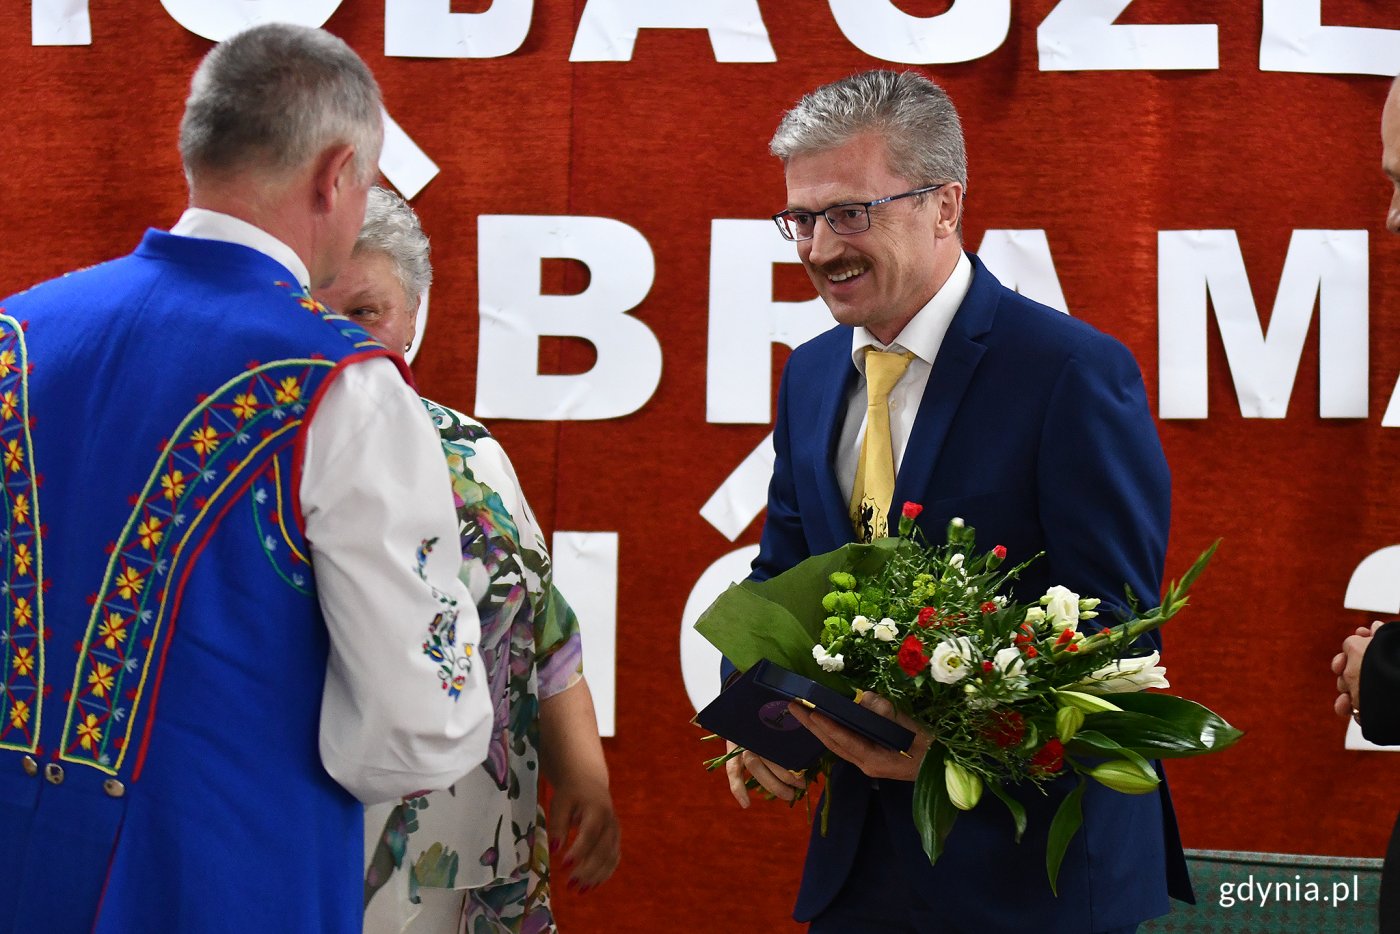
point(1150, 736)
point(934, 813)
point(1206, 727)
point(781, 619)
point(1091, 743)
point(1068, 818)
point(1018, 810)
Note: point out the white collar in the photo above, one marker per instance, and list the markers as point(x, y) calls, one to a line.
point(923, 335)
point(205, 224)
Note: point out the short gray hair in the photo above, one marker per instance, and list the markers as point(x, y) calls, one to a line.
point(915, 116)
point(391, 227)
point(276, 95)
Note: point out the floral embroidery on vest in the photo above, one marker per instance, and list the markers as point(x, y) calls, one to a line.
point(22, 584)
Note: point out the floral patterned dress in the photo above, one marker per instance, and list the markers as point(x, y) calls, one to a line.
point(475, 857)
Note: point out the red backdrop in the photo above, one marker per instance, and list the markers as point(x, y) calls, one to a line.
point(1100, 160)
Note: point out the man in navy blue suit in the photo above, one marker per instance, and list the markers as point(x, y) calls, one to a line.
point(1029, 425)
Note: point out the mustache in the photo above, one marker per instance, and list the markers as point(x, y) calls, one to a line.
point(839, 265)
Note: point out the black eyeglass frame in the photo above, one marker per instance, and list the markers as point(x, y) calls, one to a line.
point(826, 213)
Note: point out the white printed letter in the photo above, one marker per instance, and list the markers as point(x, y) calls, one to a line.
point(216, 20)
point(1021, 261)
point(1328, 268)
point(59, 22)
point(967, 30)
point(745, 321)
point(1294, 39)
point(514, 315)
point(429, 29)
point(1079, 35)
point(585, 571)
point(608, 29)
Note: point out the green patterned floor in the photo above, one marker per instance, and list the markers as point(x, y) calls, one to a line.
point(1275, 893)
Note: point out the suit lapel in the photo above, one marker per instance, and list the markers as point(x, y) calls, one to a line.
point(831, 413)
point(953, 368)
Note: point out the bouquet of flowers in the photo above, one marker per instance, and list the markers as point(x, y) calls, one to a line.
point(1010, 693)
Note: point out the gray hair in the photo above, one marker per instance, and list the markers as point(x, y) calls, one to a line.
point(915, 116)
point(391, 227)
point(275, 96)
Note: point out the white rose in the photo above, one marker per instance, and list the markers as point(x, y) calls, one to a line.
point(1009, 662)
point(957, 523)
point(886, 630)
point(951, 660)
point(1126, 674)
point(827, 661)
point(956, 561)
point(861, 625)
point(1035, 615)
point(1062, 607)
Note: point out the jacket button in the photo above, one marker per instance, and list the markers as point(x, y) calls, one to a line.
point(31, 768)
point(53, 772)
point(114, 788)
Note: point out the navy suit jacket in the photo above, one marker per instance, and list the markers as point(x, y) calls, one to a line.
point(1035, 429)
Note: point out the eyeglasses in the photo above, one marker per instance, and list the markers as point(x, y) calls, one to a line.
point(844, 219)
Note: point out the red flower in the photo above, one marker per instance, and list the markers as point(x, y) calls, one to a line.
point(927, 617)
point(1007, 730)
point(1022, 639)
point(988, 666)
point(1064, 636)
point(912, 510)
point(1031, 651)
point(912, 657)
point(999, 551)
point(1049, 758)
point(988, 607)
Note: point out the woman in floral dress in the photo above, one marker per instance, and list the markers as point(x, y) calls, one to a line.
point(476, 857)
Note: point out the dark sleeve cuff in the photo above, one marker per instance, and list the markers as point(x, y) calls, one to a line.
point(1380, 687)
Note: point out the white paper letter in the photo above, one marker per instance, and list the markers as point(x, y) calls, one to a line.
point(1079, 35)
point(1374, 588)
point(1021, 261)
point(967, 30)
point(59, 22)
point(743, 494)
point(406, 166)
point(429, 29)
point(585, 571)
point(1327, 268)
point(607, 31)
point(699, 659)
point(216, 20)
point(514, 315)
point(745, 321)
point(1294, 39)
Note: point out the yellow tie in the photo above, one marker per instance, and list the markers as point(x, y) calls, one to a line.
point(874, 486)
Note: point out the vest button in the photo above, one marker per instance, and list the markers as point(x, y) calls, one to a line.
point(114, 788)
point(31, 768)
point(53, 772)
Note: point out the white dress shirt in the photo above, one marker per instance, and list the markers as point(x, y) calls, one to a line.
point(375, 486)
point(922, 336)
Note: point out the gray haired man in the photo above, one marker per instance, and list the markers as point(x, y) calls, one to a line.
point(235, 625)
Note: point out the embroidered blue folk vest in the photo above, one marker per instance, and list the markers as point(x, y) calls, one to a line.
point(163, 652)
